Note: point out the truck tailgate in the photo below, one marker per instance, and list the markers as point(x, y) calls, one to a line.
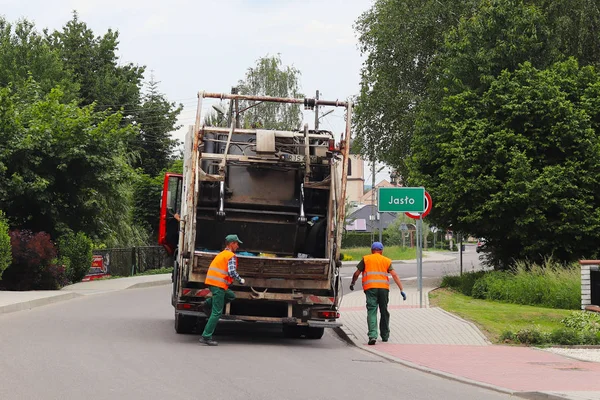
point(272, 272)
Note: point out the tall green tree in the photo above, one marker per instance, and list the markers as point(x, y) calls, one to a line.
point(400, 40)
point(269, 77)
point(24, 54)
point(507, 138)
point(156, 119)
point(518, 164)
point(95, 66)
point(64, 168)
point(575, 25)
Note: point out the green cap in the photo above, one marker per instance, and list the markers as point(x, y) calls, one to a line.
point(232, 238)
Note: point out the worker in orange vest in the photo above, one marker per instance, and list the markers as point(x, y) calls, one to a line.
point(376, 284)
point(221, 273)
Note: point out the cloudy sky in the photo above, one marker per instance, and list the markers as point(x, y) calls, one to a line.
point(208, 45)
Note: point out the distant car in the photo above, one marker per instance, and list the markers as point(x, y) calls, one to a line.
point(480, 244)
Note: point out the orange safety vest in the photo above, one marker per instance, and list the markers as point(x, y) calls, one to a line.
point(375, 275)
point(218, 274)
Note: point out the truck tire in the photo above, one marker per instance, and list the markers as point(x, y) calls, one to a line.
point(184, 324)
point(315, 333)
point(292, 331)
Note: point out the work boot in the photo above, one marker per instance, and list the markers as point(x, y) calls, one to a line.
point(384, 339)
point(208, 342)
point(207, 310)
point(372, 341)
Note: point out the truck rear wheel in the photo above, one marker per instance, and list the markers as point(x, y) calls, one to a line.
point(184, 324)
point(315, 333)
point(293, 331)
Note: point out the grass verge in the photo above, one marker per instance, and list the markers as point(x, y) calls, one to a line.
point(393, 252)
point(493, 318)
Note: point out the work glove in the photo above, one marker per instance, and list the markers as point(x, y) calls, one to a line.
point(242, 281)
point(403, 295)
point(352, 286)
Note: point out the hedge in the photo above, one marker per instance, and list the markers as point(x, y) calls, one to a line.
point(362, 239)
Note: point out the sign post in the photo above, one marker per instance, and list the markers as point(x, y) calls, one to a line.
point(420, 259)
point(416, 203)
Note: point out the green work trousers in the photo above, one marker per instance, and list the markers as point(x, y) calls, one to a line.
point(219, 298)
point(378, 298)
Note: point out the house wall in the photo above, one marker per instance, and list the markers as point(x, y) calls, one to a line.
point(356, 179)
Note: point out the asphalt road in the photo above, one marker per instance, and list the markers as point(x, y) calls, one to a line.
point(122, 345)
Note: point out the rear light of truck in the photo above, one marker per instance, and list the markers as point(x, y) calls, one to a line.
point(331, 146)
point(328, 314)
point(184, 306)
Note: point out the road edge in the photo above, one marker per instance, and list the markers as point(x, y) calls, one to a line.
point(345, 335)
point(30, 304)
point(149, 284)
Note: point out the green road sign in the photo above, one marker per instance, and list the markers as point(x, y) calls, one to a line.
point(401, 199)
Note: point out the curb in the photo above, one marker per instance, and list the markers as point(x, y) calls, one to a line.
point(346, 335)
point(149, 284)
point(69, 295)
point(28, 305)
point(343, 335)
point(472, 325)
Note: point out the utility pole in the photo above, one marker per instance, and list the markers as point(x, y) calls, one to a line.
point(373, 215)
point(460, 238)
point(317, 112)
point(237, 109)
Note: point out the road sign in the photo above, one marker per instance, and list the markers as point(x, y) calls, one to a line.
point(401, 199)
point(428, 205)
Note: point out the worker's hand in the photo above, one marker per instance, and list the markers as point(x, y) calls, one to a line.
point(352, 286)
point(242, 281)
point(403, 295)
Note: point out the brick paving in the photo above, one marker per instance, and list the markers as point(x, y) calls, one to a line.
point(410, 324)
point(433, 340)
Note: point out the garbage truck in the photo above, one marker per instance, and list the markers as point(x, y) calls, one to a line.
point(282, 192)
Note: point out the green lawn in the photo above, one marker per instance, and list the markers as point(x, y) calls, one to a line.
point(493, 317)
point(393, 252)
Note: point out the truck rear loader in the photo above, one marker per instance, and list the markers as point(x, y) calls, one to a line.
point(282, 192)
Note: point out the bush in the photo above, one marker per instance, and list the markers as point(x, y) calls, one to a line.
point(32, 256)
point(583, 321)
point(550, 285)
point(531, 336)
point(363, 239)
point(508, 337)
point(53, 276)
point(589, 339)
point(492, 286)
point(5, 249)
point(462, 283)
point(77, 249)
point(565, 336)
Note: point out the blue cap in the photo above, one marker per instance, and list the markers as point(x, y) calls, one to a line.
point(377, 246)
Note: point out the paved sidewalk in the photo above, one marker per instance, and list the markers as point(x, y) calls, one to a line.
point(11, 301)
point(432, 340)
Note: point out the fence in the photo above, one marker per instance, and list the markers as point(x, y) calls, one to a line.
point(134, 260)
